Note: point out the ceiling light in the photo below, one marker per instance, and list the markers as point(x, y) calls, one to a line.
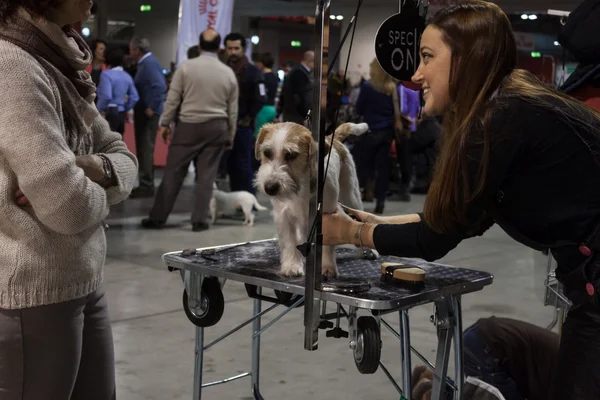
point(339, 17)
point(533, 17)
point(85, 32)
point(556, 43)
point(524, 16)
point(332, 16)
point(255, 39)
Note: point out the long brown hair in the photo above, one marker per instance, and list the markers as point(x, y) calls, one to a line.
point(484, 56)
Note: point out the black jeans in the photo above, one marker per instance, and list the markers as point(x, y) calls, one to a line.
point(480, 362)
point(145, 139)
point(578, 374)
point(371, 154)
point(116, 120)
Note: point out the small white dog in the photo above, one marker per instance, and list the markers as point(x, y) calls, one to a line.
point(288, 176)
point(231, 201)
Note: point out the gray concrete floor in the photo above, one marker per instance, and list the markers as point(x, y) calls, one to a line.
point(155, 342)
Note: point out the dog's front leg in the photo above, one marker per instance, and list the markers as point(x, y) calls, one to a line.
point(213, 210)
point(291, 258)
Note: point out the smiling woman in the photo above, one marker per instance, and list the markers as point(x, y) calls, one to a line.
point(60, 169)
point(514, 152)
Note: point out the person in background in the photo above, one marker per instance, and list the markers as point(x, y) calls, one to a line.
point(376, 105)
point(296, 99)
point(516, 357)
point(61, 169)
point(206, 93)
point(97, 65)
point(423, 147)
point(116, 93)
point(152, 88)
point(409, 106)
point(193, 52)
point(268, 113)
point(252, 98)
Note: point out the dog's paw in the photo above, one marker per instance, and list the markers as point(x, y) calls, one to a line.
point(292, 270)
point(329, 271)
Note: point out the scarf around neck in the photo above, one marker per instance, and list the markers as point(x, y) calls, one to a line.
point(64, 55)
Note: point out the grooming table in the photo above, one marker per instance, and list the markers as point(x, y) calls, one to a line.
point(256, 264)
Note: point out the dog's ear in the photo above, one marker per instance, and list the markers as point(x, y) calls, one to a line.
point(264, 132)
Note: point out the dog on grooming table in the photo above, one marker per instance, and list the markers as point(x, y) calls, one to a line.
point(288, 175)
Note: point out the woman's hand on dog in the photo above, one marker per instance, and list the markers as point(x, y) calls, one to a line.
point(338, 228)
point(361, 216)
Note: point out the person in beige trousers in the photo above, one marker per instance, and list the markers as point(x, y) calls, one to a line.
point(61, 168)
point(206, 92)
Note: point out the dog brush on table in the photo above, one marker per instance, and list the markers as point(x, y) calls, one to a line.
point(404, 275)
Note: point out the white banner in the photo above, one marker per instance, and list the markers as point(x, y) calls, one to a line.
point(198, 15)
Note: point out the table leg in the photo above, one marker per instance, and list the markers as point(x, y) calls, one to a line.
point(198, 363)
point(256, 348)
point(445, 332)
point(405, 351)
point(458, 346)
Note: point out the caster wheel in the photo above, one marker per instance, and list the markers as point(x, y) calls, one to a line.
point(367, 351)
point(210, 308)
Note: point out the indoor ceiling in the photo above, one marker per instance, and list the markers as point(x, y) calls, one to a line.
point(306, 7)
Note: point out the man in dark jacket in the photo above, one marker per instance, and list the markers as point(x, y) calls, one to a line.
point(297, 90)
point(152, 88)
point(252, 98)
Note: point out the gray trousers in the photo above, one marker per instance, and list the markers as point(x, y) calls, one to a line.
point(145, 140)
point(62, 351)
point(200, 143)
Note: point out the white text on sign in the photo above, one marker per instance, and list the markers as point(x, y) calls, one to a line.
point(405, 55)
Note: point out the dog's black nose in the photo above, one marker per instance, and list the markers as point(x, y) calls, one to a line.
point(272, 188)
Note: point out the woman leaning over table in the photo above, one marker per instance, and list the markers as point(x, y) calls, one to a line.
point(514, 152)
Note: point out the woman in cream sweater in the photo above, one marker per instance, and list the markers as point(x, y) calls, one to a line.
point(60, 169)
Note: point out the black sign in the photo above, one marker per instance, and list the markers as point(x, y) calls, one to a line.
point(397, 42)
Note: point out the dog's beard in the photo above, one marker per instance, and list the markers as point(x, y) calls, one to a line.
point(288, 186)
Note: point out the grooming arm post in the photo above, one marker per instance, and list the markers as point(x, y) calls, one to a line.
point(318, 116)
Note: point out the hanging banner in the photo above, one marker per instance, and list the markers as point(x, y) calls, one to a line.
point(199, 15)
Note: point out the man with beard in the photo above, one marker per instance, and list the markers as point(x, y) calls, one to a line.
point(252, 97)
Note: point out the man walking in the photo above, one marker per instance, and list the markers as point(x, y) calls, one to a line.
point(152, 87)
point(205, 92)
point(252, 98)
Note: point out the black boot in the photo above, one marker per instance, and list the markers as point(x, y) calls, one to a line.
point(200, 226)
point(152, 224)
point(379, 209)
point(404, 194)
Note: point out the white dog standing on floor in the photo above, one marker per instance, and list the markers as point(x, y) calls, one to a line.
point(231, 201)
point(288, 176)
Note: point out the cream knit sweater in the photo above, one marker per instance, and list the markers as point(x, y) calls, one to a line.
point(54, 250)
